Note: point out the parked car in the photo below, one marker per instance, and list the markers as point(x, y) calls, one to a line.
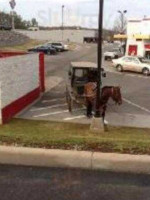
point(5, 27)
point(60, 46)
point(132, 63)
point(45, 49)
point(51, 46)
point(113, 54)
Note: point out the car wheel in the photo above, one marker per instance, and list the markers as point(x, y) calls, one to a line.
point(119, 68)
point(109, 58)
point(146, 72)
point(105, 57)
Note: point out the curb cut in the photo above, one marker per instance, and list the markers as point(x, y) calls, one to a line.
point(74, 159)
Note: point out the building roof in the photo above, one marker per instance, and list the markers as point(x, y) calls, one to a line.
point(84, 65)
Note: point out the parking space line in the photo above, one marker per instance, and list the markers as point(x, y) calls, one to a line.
point(53, 100)
point(55, 113)
point(49, 107)
point(72, 118)
point(136, 105)
point(49, 114)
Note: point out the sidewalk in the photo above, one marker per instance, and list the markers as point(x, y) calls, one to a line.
point(74, 159)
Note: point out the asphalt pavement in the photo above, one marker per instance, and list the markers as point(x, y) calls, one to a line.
point(134, 87)
point(28, 183)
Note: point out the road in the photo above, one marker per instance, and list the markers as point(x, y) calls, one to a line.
point(28, 183)
point(135, 91)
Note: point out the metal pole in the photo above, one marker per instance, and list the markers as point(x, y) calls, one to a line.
point(99, 77)
point(122, 24)
point(63, 22)
point(13, 23)
point(122, 13)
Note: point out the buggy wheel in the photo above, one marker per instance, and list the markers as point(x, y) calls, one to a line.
point(69, 101)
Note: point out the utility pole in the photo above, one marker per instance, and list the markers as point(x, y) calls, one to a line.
point(122, 14)
point(97, 122)
point(63, 22)
point(100, 41)
point(12, 5)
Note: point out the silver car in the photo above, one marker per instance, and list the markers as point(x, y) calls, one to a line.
point(132, 63)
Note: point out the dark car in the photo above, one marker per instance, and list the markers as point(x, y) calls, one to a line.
point(44, 49)
point(49, 45)
point(5, 27)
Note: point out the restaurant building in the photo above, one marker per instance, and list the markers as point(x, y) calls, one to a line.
point(137, 37)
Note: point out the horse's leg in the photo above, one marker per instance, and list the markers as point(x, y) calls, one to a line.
point(89, 108)
point(104, 112)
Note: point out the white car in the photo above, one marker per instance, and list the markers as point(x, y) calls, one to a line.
point(66, 47)
point(112, 54)
point(132, 63)
point(60, 45)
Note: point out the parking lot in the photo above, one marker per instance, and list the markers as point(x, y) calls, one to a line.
point(135, 91)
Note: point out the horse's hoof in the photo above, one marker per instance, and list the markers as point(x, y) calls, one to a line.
point(89, 116)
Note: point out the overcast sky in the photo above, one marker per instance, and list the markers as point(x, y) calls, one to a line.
point(77, 12)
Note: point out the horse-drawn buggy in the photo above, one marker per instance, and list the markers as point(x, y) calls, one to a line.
point(78, 77)
point(81, 88)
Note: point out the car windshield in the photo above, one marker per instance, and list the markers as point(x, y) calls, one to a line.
point(57, 44)
point(116, 50)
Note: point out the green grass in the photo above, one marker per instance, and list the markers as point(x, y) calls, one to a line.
point(23, 47)
point(74, 136)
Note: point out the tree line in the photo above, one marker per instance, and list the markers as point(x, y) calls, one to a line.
point(6, 19)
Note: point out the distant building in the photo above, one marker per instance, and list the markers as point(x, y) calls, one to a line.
point(137, 37)
point(90, 37)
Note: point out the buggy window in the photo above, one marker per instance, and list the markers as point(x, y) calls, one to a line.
point(79, 73)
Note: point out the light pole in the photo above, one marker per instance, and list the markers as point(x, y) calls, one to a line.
point(122, 13)
point(63, 22)
point(97, 122)
point(99, 74)
point(12, 5)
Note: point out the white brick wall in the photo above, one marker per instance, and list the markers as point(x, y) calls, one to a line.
point(56, 35)
point(19, 75)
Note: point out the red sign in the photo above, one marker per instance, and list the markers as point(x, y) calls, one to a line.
point(132, 50)
point(147, 46)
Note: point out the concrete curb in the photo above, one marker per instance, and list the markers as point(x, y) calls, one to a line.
point(74, 159)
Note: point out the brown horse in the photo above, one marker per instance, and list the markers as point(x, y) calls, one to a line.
point(107, 93)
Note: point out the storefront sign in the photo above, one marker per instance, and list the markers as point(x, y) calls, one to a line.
point(147, 46)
